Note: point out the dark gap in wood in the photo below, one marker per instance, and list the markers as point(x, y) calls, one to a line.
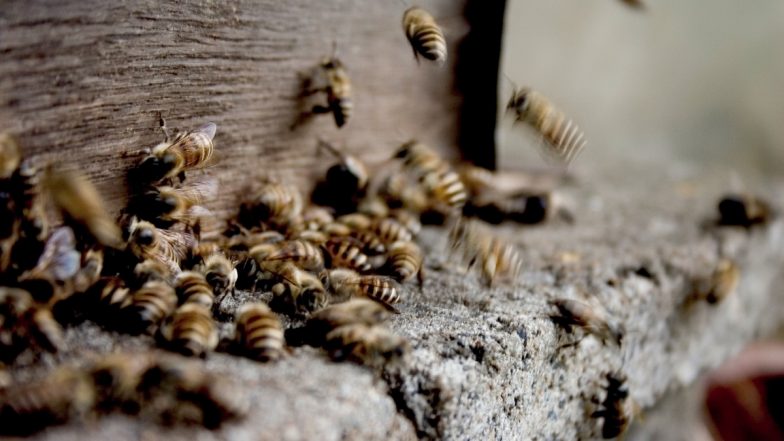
point(478, 58)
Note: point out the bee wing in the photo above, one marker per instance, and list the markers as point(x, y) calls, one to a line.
point(59, 259)
point(198, 191)
point(208, 129)
point(179, 240)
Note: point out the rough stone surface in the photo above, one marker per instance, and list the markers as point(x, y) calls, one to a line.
point(485, 363)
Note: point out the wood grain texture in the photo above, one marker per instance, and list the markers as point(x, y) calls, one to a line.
point(82, 82)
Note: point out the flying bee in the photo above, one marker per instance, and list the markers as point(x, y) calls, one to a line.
point(148, 305)
point(435, 175)
point(191, 330)
point(299, 252)
point(404, 261)
point(220, 274)
point(296, 290)
point(186, 151)
point(275, 204)
point(369, 345)
point(27, 408)
point(562, 137)
point(331, 78)
point(167, 205)
point(320, 323)
point(616, 409)
point(192, 287)
point(149, 242)
point(425, 35)
point(349, 175)
point(346, 284)
point(743, 210)
point(345, 252)
point(82, 207)
point(10, 155)
point(258, 332)
point(591, 319)
point(497, 258)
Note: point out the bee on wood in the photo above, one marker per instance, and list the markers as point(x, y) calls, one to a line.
point(192, 287)
point(616, 409)
point(301, 253)
point(320, 323)
point(743, 210)
point(149, 242)
point(331, 78)
point(404, 261)
point(82, 207)
point(10, 155)
point(258, 332)
point(220, 274)
point(167, 205)
point(186, 151)
point(346, 284)
point(345, 252)
point(148, 305)
point(434, 174)
point(274, 204)
point(191, 331)
point(193, 395)
point(369, 345)
point(563, 138)
point(425, 35)
point(30, 407)
point(497, 258)
point(591, 319)
point(296, 290)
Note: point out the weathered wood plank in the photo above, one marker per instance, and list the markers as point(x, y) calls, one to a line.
point(82, 82)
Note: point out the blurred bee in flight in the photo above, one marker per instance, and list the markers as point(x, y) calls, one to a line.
point(330, 77)
point(425, 35)
point(563, 139)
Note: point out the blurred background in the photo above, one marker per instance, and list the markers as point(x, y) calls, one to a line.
point(685, 82)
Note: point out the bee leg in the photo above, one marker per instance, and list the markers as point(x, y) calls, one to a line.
point(421, 278)
point(162, 123)
point(319, 109)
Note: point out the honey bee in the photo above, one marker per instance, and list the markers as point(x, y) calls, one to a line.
point(425, 35)
point(562, 137)
point(275, 204)
point(258, 332)
point(320, 323)
point(191, 330)
point(408, 219)
point(743, 210)
point(591, 319)
point(296, 290)
point(389, 230)
point(167, 205)
point(497, 259)
point(151, 269)
point(244, 242)
point(400, 192)
point(345, 252)
point(346, 284)
point(82, 207)
point(404, 261)
point(58, 263)
point(317, 238)
point(186, 151)
point(148, 305)
point(149, 242)
point(369, 345)
point(374, 206)
point(192, 287)
point(349, 175)
point(336, 229)
point(220, 274)
point(90, 271)
point(436, 176)
point(27, 408)
point(299, 252)
point(525, 207)
point(616, 409)
point(331, 78)
point(356, 221)
point(10, 155)
point(110, 293)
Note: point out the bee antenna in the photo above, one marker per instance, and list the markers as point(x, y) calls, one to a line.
point(514, 86)
point(322, 144)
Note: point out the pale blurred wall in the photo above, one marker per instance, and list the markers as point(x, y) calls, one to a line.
point(699, 81)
